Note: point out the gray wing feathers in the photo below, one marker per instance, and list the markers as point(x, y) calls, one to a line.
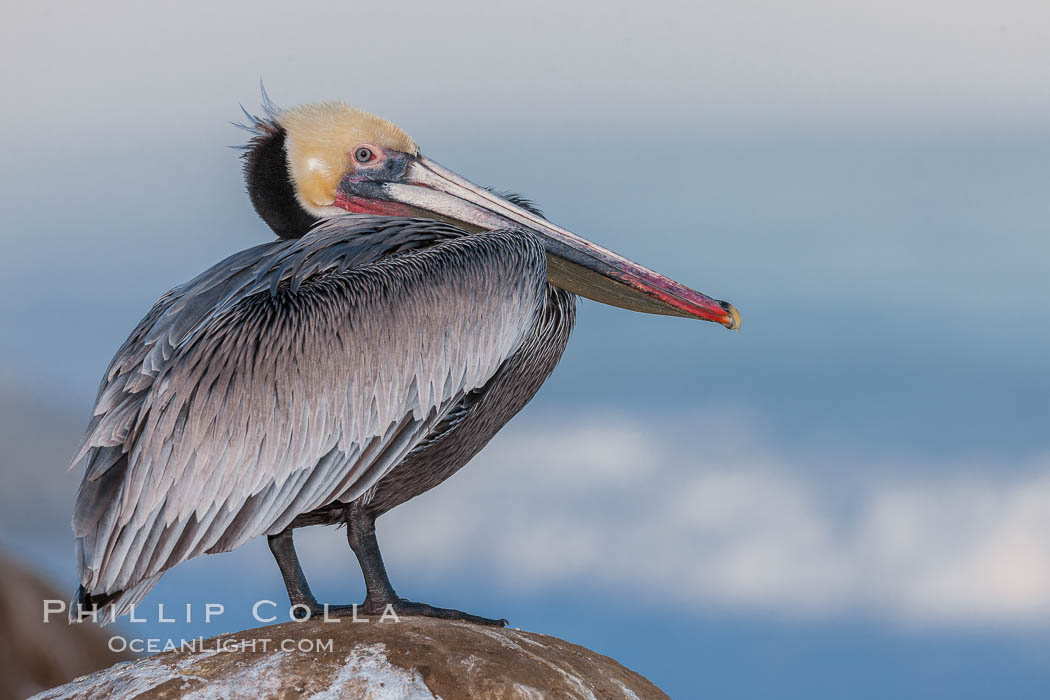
point(292, 375)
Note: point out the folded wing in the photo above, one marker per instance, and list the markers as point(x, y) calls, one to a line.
point(290, 376)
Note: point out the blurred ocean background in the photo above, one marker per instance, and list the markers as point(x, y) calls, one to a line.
point(849, 498)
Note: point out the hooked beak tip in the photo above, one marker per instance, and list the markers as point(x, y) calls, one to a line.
point(733, 322)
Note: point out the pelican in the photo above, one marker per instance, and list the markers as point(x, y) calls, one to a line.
point(402, 317)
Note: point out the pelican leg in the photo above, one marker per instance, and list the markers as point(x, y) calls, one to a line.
point(380, 595)
point(283, 548)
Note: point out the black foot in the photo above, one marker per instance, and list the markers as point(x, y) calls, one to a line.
point(361, 534)
point(408, 607)
point(405, 608)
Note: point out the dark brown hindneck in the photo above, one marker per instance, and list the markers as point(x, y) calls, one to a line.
point(270, 185)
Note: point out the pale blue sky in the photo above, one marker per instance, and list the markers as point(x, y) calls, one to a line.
point(870, 186)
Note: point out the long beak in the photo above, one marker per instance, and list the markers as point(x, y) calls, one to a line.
point(573, 263)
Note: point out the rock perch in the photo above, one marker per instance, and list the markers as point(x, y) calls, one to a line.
point(414, 658)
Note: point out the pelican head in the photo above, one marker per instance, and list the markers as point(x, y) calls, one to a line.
point(320, 160)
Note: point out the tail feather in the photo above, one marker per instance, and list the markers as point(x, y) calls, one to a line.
point(104, 608)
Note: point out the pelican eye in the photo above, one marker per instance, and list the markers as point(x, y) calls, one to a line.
point(363, 154)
